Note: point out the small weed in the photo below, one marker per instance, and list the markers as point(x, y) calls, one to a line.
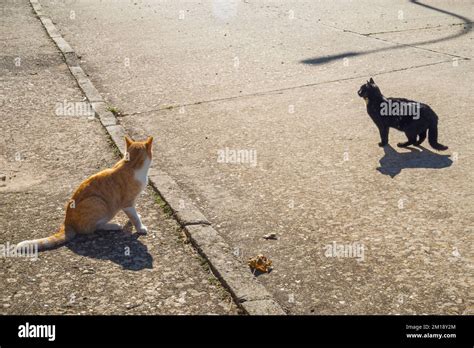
point(214, 281)
point(203, 263)
point(166, 208)
point(116, 111)
point(182, 238)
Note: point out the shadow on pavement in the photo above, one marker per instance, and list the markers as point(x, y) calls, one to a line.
point(467, 27)
point(393, 162)
point(119, 247)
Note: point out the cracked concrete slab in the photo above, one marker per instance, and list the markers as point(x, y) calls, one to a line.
point(211, 245)
point(320, 181)
point(368, 17)
point(305, 191)
point(43, 157)
point(193, 62)
point(461, 46)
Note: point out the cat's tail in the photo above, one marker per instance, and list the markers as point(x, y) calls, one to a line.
point(433, 137)
point(63, 235)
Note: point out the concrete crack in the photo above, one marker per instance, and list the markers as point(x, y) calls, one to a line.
point(398, 44)
point(415, 29)
point(281, 90)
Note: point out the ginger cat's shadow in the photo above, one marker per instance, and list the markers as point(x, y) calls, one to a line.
point(393, 162)
point(120, 247)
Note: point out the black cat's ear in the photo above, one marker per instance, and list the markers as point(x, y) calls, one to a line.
point(371, 81)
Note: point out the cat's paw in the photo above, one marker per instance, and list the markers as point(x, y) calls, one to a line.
point(382, 144)
point(142, 230)
point(402, 144)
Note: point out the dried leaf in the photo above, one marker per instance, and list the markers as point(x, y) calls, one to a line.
point(261, 263)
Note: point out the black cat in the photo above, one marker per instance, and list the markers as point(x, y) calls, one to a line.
point(408, 116)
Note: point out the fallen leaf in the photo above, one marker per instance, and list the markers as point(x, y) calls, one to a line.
point(261, 263)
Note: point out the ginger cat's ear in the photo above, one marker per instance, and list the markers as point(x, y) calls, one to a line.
point(128, 141)
point(148, 144)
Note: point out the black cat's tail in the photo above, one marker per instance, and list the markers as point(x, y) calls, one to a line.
point(433, 137)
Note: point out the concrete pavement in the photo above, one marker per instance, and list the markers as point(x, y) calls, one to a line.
point(45, 152)
point(279, 79)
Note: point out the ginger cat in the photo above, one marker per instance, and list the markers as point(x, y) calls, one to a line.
point(100, 197)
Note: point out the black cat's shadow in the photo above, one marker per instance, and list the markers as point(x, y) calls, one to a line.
point(393, 162)
point(120, 247)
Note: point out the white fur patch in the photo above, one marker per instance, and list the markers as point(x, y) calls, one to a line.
point(142, 174)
